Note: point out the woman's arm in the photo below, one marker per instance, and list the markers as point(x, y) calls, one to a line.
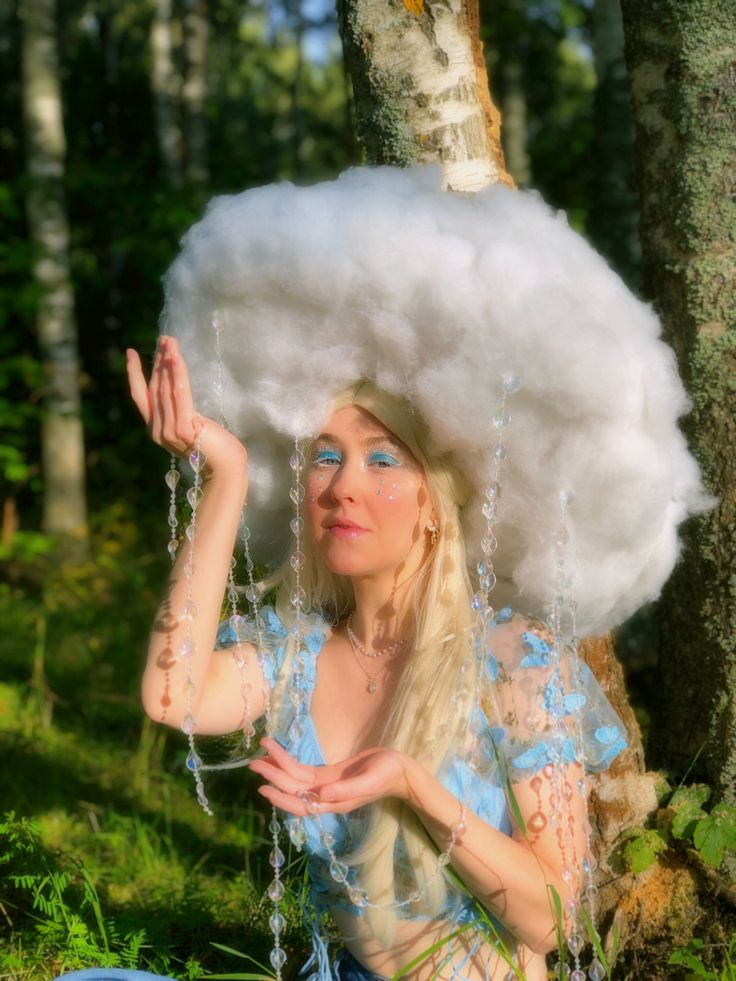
point(217, 704)
point(509, 875)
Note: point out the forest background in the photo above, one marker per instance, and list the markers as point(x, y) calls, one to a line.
point(105, 856)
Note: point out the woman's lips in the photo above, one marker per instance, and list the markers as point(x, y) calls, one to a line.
point(347, 531)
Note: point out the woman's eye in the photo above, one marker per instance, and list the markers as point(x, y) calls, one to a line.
point(326, 458)
point(383, 460)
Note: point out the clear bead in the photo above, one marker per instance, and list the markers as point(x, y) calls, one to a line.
point(194, 761)
point(276, 922)
point(588, 863)
point(245, 533)
point(296, 731)
point(577, 975)
point(511, 382)
point(328, 839)
point(297, 596)
point(194, 496)
point(478, 601)
point(357, 897)
point(297, 560)
point(596, 971)
point(297, 834)
point(252, 593)
point(189, 532)
point(561, 970)
point(296, 460)
point(172, 479)
point(493, 490)
point(499, 452)
point(296, 525)
point(189, 612)
point(481, 568)
point(566, 497)
point(189, 724)
point(277, 958)
point(489, 511)
point(197, 460)
point(338, 870)
point(172, 548)
point(443, 859)
point(562, 536)
point(488, 543)
point(575, 944)
point(501, 419)
point(276, 891)
point(487, 582)
point(297, 493)
point(566, 875)
point(276, 858)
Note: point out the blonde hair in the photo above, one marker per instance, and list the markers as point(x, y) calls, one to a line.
point(430, 710)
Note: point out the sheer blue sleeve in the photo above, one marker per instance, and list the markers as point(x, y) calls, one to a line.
point(542, 707)
point(268, 636)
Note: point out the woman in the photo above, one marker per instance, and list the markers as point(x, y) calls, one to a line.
point(386, 566)
point(427, 751)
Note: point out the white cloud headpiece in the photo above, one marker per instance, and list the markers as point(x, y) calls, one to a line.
point(434, 295)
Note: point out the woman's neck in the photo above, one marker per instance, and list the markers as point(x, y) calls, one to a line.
point(382, 615)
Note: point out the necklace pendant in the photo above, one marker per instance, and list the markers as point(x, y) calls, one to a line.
point(372, 687)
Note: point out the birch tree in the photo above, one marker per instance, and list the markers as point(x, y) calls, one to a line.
point(681, 56)
point(62, 440)
point(421, 94)
point(194, 91)
point(166, 84)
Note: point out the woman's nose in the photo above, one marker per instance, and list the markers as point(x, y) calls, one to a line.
point(345, 483)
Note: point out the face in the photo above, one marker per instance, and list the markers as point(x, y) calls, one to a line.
point(366, 498)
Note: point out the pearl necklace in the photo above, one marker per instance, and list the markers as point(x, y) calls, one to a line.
point(388, 651)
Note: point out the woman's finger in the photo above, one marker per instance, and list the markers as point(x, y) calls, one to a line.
point(155, 392)
point(276, 776)
point(137, 384)
point(311, 775)
point(182, 394)
point(286, 802)
point(344, 790)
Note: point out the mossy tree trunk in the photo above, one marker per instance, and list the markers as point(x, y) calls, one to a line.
point(62, 437)
point(421, 95)
point(682, 65)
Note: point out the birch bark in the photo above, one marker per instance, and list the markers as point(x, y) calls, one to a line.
point(62, 438)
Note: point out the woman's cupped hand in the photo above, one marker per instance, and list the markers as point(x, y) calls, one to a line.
point(334, 788)
point(167, 408)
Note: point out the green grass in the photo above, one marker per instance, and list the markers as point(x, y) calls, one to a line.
point(121, 865)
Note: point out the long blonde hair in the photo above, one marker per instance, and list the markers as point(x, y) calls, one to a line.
point(430, 709)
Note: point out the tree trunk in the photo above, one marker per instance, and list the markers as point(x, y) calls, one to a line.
point(421, 89)
point(513, 107)
point(681, 56)
point(410, 110)
point(194, 92)
point(166, 87)
point(614, 211)
point(62, 439)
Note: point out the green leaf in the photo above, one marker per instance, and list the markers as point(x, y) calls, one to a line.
point(641, 851)
point(695, 795)
point(714, 833)
point(685, 819)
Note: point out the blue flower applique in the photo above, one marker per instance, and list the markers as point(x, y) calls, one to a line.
point(541, 754)
point(503, 616)
point(557, 703)
point(538, 651)
point(607, 734)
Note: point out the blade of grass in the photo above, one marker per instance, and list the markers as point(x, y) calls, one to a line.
point(559, 927)
point(239, 953)
point(595, 940)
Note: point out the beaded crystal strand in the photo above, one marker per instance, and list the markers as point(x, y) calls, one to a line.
point(172, 482)
point(187, 648)
point(488, 544)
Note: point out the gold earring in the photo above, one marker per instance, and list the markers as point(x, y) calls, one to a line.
point(434, 534)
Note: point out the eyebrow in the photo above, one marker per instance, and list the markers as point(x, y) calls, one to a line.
point(369, 441)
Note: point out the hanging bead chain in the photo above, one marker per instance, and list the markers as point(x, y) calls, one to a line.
point(276, 893)
point(486, 575)
point(596, 971)
point(172, 481)
point(339, 871)
point(187, 648)
point(297, 596)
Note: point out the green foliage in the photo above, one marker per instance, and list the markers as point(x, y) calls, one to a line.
point(683, 821)
point(641, 847)
point(690, 958)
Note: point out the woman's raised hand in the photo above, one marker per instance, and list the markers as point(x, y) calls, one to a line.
point(335, 788)
point(167, 408)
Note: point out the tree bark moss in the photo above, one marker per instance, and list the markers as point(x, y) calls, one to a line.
point(681, 56)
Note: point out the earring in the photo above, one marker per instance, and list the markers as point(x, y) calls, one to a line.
point(434, 533)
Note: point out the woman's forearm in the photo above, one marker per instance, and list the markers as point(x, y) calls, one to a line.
point(502, 873)
point(218, 515)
